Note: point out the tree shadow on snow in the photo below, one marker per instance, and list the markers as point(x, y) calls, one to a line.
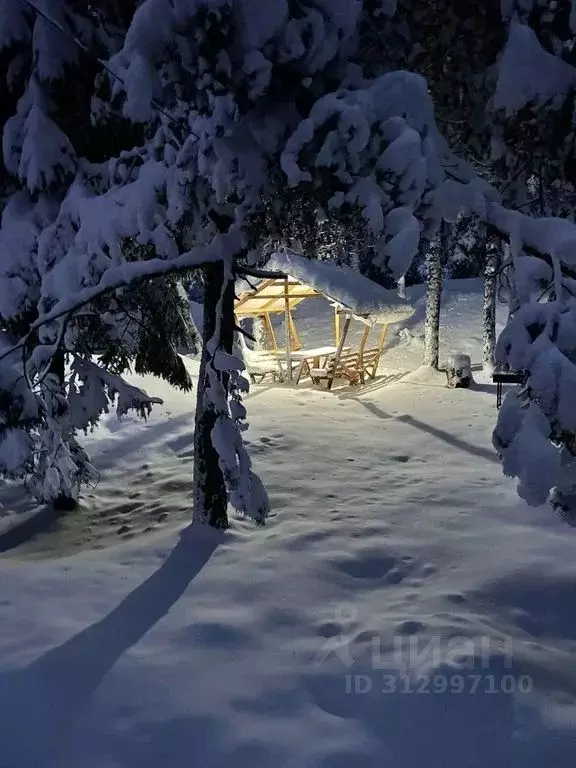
point(39, 704)
point(20, 517)
point(114, 448)
point(441, 434)
point(43, 519)
point(375, 385)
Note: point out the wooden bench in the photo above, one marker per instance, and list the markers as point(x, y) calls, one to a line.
point(368, 363)
point(506, 377)
point(355, 367)
point(345, 366)
point(312, 359)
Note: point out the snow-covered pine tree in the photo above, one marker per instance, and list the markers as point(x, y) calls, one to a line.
point(521, 66)
point(534, 434)
point(254, 104)
point(49, 140)
point(251, 102)
point(40, 161)
point(368, 147)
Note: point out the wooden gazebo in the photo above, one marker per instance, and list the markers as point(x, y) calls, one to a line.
point(292, 279)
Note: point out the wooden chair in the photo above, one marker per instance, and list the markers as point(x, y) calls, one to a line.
point(354, 367)
point(343, 366)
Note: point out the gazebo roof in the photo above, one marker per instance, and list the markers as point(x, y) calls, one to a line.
point(343, 285)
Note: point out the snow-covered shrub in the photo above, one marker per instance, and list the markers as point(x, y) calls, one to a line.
point(536, 430)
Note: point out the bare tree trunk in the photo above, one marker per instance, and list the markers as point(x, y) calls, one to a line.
point(210, 494)
point(435, 261)
point(491, 265)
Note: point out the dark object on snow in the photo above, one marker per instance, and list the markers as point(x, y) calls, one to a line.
point(459, 371)
point(64, 503)
point(506, 377)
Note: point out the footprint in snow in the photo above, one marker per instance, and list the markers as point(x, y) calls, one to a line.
point(369, 566)
point(456, 598)
point(124, 530)
point(275, 442)
point(410, 627)
point(302, 541)
point(330, 629)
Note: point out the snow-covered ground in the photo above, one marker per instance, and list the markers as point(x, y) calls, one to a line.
point(396, 548)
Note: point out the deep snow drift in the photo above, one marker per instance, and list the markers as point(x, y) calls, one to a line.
point(402, 607)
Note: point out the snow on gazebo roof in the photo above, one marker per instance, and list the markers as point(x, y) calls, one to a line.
point(344, 286)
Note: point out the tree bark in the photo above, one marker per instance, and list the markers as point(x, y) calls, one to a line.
point(435, 269)
point(210, 493)
point(491, 264)
point(509, 269)
point(63, 502)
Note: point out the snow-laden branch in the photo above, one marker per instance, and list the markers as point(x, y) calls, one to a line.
point(259, 274)
point(129, 272)
point(548, 236)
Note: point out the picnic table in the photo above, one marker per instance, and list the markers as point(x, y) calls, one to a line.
point(309, 359)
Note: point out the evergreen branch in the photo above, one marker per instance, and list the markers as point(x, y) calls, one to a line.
point(79, 44)
point(126, 274)
point(514, 176)
point(56, 346)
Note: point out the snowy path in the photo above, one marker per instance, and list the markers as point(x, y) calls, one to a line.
point(391, 522)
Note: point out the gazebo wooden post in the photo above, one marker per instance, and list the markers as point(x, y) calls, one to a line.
point(297, 344)
point(341, 343)
point(336, 324)
point(380, 348)
point(383, 336)
point(270, 331)
point(365, 335)
point(287, 329)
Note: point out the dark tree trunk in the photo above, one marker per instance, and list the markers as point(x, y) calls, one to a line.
point(63, 502)
point(435, 261)
point(210, 494)
point(491, 266)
